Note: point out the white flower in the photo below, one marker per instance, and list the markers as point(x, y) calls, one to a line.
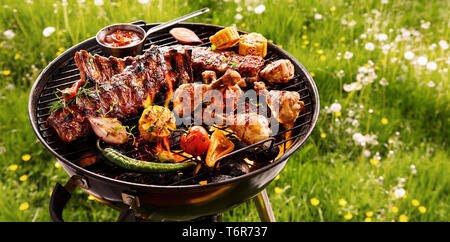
point(318, 16)
point(143, 1)
point(399, 192)
point(443, 44)
point(239, 9)
point(409, 55)
point(431, 84)
point(260, 9)
point(352, 23)
point(367, 153)
point(369, 46)
point(362, 36)
point(431, 66)
point(238, 16)
point(384, 1)
point(354, 86)
point(365, 139)
point(425, 25)
point(383, 82)
point(381, 37)
point(422, 60)
point(98, 2)
point(48, 31)
point(348, 55)
point(340, 73)
point(335, 107)
point(9, 34)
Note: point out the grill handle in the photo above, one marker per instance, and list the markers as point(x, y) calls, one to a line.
point(62, 194)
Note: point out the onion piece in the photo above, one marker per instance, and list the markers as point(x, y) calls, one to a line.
point(185, 36)
point(110, 130)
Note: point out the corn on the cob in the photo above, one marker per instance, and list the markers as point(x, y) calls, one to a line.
point(253, 44)
point(225, 38)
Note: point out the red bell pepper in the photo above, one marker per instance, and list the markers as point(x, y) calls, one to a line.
point(69, 93)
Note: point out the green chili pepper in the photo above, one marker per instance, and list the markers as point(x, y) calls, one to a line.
point(139, 165)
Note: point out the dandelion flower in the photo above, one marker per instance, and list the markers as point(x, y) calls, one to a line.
point(260, 9)
point(332, 9)
point(384, 121)
point(374, 161)
point(9, 34)
point(338, 114)
point(57, 165)
point(314, 201)
point(17, 56)
point(90, 197)
point(335, 107)
point(348, 216)
point(313, 74)
point(368, 219)
point(422, 209)
point(13, 167)
point(415, 202)
point(323, 58)
point(403, 218)
point(26, 157)
point(369, 213)
point(48, 31)
point(394, 209)
point(369, 46)
point(277, 178)
point(323, 135)
point(6, 72)
point(278, 190)
point(342, 202)
point(23, 178)
point(24, 206)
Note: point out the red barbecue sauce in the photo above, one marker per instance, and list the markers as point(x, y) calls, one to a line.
point(122, 38)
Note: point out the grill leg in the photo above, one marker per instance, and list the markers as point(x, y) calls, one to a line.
point(262, 203)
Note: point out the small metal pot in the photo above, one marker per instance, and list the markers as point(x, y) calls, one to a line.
point(122, 51)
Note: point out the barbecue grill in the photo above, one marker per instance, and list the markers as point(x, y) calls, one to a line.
point(180, 200)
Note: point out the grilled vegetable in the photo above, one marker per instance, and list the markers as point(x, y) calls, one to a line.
point(225, 38)
point(156, 122)
point(185, 36)
point(196, 142)
point(253, 44)
point(220, 146)
point(110, 130)
point(139, 165)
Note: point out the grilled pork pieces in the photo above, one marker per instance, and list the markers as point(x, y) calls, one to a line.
point(119, 88)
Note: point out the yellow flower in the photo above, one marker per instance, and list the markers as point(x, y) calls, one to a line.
point(280, 45)
point(303, 46)
point(304, 36)
point(23, 178)
point(90, 197)
point(422, 209)
point(369, 213)
point(323, 58)
point(348, 216)
point(314, 201)
point(313, 74)
point(415, 202)
point(319, 51)
point(17, 56)
point(306, 42)
point(342, 38)
point(332, 9)
point(403, 218)
point(60, 51)
point(323, 135)
point(316, 44)
point(243, 25)
point(342, 202)
point(394, 209)
point(24, 206)
point(277, 177)
point(384, 121)
point(6, 72)
point(278, 190)
point(57, 165)
point(368, 219)
point(13, 167)
point(338, 114)
point(374, 161)
point(26, 157)
point(271, 41)
point(304, 27)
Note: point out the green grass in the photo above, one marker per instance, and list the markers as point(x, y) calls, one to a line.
point(409, 116)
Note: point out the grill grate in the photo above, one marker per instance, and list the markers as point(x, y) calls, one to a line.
point(65, 75)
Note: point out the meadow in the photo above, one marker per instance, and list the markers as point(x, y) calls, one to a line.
point(379, 151)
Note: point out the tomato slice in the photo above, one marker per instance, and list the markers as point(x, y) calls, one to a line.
point(185, 36)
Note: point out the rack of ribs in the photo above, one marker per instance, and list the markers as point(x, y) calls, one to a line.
point(120, 88)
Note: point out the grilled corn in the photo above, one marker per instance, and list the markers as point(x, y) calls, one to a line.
point(225, 38)
point(253, 44)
